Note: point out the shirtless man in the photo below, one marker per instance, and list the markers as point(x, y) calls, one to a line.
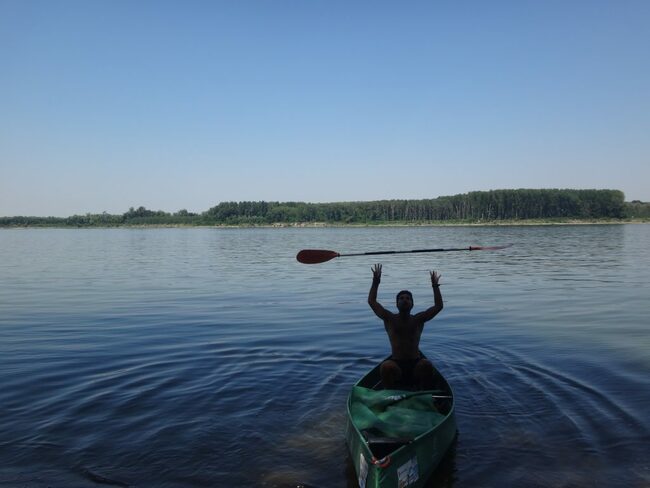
point(406, 365)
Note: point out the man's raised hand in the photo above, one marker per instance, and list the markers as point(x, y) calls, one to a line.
point(376, 272)
point(435, 277)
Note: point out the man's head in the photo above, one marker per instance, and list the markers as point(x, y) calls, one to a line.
point(404, 301)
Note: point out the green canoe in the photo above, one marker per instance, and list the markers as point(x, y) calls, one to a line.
point(398, 437)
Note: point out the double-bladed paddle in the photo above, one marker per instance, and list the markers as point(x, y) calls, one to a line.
point(315, 256)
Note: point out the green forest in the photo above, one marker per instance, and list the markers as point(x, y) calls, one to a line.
point(547, 205)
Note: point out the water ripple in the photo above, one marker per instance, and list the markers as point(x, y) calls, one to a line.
point(210, 357)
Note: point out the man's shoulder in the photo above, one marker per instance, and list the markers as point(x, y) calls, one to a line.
point(418, 317)
point(391, 316)
point(396, 317)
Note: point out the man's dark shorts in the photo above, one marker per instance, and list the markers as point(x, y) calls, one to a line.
point(408, 368)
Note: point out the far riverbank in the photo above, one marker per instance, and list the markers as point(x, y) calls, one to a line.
point(493, 223)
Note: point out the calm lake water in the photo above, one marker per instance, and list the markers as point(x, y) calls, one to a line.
point(212, 358)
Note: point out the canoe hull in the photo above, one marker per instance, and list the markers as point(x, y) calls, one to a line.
point(400, 466)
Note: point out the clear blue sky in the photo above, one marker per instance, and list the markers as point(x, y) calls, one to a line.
point(106, 105)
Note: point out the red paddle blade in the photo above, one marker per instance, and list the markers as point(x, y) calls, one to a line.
point(488, 248)
point(315, 256)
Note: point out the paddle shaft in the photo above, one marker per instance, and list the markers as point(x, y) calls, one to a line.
point(374, 253)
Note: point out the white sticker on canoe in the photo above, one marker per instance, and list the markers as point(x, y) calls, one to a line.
point(363, 471)
point(407, 474)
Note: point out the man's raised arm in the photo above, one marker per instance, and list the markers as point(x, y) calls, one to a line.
point(380, 311)
point(429, 313)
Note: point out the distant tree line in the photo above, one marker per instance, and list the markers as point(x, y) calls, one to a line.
point(478, 206)
point(637, 209)
point(135, 217)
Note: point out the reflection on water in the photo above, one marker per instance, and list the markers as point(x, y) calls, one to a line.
point(210, 357)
